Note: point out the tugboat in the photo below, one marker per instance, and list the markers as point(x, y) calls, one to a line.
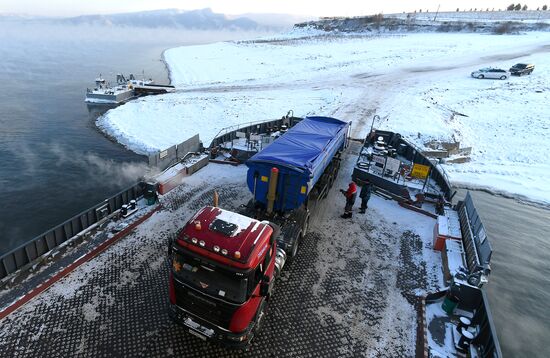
point(104, 93)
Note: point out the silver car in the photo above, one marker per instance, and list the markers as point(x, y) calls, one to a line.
point(490, 72)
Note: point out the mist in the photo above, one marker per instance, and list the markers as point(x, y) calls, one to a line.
point(55, 163)
point(80, 35)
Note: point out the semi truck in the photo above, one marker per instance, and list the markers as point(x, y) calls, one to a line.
point(223, 264)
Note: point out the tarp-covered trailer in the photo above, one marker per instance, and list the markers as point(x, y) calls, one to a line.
point(246, 251)
point(301, 155)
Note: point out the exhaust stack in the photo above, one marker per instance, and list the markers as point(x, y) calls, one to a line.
point(216, 199)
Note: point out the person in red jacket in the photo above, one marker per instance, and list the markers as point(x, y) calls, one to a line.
point(350, 195)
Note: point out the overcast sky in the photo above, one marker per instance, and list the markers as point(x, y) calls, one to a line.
point(298, 7)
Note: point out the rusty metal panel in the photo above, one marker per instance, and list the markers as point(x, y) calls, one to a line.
point(68, 230)
point(84, 220)
point(59, 235)
point(31, 251)
point(8, 262)
point(50, 240)
point(21, 258)
point(41, 245)
point(3, 272)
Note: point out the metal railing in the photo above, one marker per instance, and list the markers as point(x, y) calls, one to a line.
point(44, 243)
point(167, 157)
point(412, 153)
point(477, 246)
point(265, 126)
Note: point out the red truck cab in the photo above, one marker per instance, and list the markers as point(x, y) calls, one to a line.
point(222, 270)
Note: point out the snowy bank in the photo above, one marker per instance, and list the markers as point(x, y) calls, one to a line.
point(415, 82)
point(156, 123)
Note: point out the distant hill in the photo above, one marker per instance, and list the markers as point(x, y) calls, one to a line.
point(275, 20)
point(204, 19)
point(498, 22)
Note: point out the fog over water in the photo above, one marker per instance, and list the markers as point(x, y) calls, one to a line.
point(54, 163)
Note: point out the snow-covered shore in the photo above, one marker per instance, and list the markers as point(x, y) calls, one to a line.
point(415, 82)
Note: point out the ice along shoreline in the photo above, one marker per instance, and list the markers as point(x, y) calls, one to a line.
point(236, 82)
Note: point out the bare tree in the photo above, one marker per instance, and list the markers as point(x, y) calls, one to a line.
point(511, 7)
point(517, 7)
point(457, 9)
point(545, 7)
point(524, 8)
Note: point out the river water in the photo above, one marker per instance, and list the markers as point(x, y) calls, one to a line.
point(519, 284)
point(54, 163)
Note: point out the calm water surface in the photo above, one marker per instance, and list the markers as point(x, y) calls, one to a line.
point(53, 162)
point(519, 285)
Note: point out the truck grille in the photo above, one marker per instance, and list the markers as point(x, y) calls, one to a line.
point(213, 311)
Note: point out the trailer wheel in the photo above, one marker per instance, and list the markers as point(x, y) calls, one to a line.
point(294, 250)
point(306, 226)
point(330, 180)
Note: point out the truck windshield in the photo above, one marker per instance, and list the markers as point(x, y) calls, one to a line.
point(210, 279)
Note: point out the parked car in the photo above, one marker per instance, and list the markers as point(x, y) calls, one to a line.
point(491, 73)
point(520, 69)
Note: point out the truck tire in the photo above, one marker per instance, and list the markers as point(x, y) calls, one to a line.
point(330, 181)
point(260, 317)
point(261, 314)
point(306, 226)
point(294, 249)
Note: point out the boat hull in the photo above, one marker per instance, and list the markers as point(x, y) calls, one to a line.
point(114, 98)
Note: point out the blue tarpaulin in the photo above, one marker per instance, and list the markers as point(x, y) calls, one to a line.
point(304, 143)
point(301, 155)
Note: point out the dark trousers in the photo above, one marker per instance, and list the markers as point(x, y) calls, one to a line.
point(349, 205)
point(364, 202)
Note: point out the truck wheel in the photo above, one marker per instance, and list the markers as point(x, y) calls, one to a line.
point(330, 181)
point(294, 250)
point(257, 326)
point(333, 175)
point(261, 313)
